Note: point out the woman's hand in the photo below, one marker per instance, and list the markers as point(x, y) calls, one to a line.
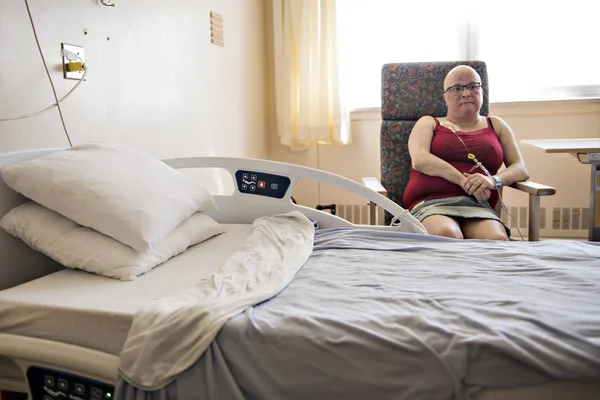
point(478, 185)
point(482, 195)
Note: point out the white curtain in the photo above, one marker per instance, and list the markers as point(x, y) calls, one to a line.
point(308, 101)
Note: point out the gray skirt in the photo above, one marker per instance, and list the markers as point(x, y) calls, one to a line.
point(458, 207)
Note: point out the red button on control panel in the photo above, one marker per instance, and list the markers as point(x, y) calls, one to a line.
point(261, 184)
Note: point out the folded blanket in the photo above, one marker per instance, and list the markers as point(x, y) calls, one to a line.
point(170, 334)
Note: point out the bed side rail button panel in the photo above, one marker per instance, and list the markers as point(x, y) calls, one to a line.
point(262, 184)
point(50, 383)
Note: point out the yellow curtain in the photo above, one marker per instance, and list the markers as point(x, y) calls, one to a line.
point(308, 101)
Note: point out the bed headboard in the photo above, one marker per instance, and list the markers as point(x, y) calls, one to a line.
point(18, 262)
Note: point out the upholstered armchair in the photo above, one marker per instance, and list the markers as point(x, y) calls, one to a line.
point(408, 92)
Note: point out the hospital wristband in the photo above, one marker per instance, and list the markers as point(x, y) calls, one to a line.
point(497, 181)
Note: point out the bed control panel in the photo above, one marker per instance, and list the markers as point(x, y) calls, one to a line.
point(49, 384)
point(262, 184)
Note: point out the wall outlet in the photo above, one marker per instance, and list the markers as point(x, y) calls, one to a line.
point(72, 51)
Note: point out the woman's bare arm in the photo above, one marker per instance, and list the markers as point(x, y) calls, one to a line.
point(419, 147)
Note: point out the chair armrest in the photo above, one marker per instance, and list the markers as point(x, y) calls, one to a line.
point(533, 188)
point(373, 183)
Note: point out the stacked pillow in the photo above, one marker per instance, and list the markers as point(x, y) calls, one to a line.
point(108, 209)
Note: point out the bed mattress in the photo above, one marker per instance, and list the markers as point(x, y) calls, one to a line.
point(376, 314)
point(92, 311)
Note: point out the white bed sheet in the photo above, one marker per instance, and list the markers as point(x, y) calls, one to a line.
point(96, 312)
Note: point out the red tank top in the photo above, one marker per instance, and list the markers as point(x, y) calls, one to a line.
point(483, 143)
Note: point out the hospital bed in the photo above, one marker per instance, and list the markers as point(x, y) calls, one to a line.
point(62, 330)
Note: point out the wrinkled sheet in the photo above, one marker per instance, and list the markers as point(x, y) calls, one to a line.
point(170, 334)
point(380, 315)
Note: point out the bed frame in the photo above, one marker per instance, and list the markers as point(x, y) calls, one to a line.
point(19, 264)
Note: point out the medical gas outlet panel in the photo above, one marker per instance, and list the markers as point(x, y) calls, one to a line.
point(262, 184)
point(50, 384)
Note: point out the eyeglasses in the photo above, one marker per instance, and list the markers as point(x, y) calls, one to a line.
point(457, 89)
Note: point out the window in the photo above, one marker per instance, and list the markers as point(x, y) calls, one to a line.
point(534, 50)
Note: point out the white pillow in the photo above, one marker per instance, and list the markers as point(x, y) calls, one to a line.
point(75, 246)
point(118, 191)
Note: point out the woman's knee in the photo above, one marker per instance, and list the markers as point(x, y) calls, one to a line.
point(492, 236)
point(484, 229)
point(448, 231)
point(440, 225)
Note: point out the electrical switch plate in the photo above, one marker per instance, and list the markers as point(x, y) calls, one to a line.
point(78, 50)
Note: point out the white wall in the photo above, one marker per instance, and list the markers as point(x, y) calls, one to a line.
point(158, 84)
point(535, 120)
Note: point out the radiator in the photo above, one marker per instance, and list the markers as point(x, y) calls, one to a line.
point(557, 222)
point(359, 213)
point(554, 222)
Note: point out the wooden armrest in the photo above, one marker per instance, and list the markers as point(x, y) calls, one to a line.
point(536, 189)
point(373, 183)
